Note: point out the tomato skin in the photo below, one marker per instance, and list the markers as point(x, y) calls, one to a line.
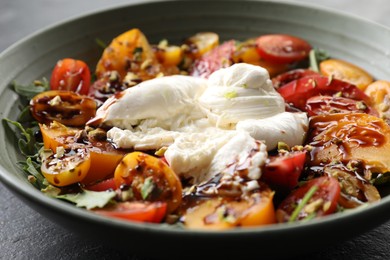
point(297, 92)
point(346, 71)
point(326, 195)
point(215, 59)
point(219, 212)
point(152, 212)
point(134, 170)
point(318, 105)
point(68, 168)
point(63, 106)
point(104, 185)
point(282, 48)
point(283, 171)
point(284, 78)
point(70, 74)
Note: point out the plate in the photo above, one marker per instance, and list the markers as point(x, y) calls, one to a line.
point(362, 42)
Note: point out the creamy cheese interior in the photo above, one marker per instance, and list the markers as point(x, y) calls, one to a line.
point(208, 126)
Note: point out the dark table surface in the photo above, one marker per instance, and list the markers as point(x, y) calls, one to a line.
point(25, 234)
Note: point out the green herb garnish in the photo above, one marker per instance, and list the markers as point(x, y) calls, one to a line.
point(89, 199)
point(316, 56)
point(302, 203)
point(147, 187)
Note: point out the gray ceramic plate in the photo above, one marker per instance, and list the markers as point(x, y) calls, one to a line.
point(359, 41)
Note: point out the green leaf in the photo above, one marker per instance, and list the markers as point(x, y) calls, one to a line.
point(32, 168)
point(29, 91)
point(147, 187)
point(89, 199)
point(316, 56)
point(51, 191)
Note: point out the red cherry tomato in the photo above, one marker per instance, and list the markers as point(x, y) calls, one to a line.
point(283, 171)
point(297, 92)
point(284, 78)
point(217, 58)
point(315, 198)
point(108, 184)
point(318, 105)
point(153, 212)
point(71, 74)
point(282, 48)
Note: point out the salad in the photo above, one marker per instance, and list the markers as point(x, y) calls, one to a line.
point(208, 134)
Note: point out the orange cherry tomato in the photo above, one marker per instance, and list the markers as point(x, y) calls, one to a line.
point(379, 94)
point(70, 74)
point(282, 48)
point(66, 166)
point(216, 213)
point(346, 71)
point(150, 179)
point(153, 212)
point(129, 52)
point(66, 107)
point(104, 157)
point(350, 136)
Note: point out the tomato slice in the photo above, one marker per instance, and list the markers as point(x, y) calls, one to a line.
point(65, 107)
point(153, 212)
point(104, 185)
point(150, 179)
point(297, 92)
point(283, 171)
point(346, 71)
point(217, 58)
point(329, 105)
point(291, 75)
point(217, 213)
point(282, 48)
point(317, 197)
point(70, 74)
point(66, 166)
point(202, 42)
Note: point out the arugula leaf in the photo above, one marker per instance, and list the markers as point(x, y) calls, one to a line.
point(316, 56)
point(29, 91)
point(89, 199)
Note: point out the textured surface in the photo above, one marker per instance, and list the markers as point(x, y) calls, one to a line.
point(24, 234)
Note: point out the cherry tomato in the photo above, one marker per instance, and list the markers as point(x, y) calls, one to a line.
point(328, 105)
point(355, 191)
point(217, 58)
point(152, 212)
point(150, 179)
point(282, 48)
point(346, 71)
point(297, 92)
point(201, 43)
point(379, 94)
point(104, 185)
point(247, 52)
point(70, 74)
point(218, 213)
point(104, 156)
point(284, 78)
point(66, 166)
point(129, 52)
point(66, 107)
point(315, 198)
point(283, 171)
point(350, 136)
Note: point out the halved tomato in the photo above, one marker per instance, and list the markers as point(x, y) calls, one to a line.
point(317, 197)
point(216, 213)
point(66, 166)
point(282, 48)
point(297, 92)
point(291, 75)
point(66, 107)
point(345, 71)
point(153, 212)
point(150, 179)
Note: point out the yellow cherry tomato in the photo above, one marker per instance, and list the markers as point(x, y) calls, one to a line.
point(218, 213)
point(346, 71)
point(150, 179)
point(66, 166)
point(379, 93)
